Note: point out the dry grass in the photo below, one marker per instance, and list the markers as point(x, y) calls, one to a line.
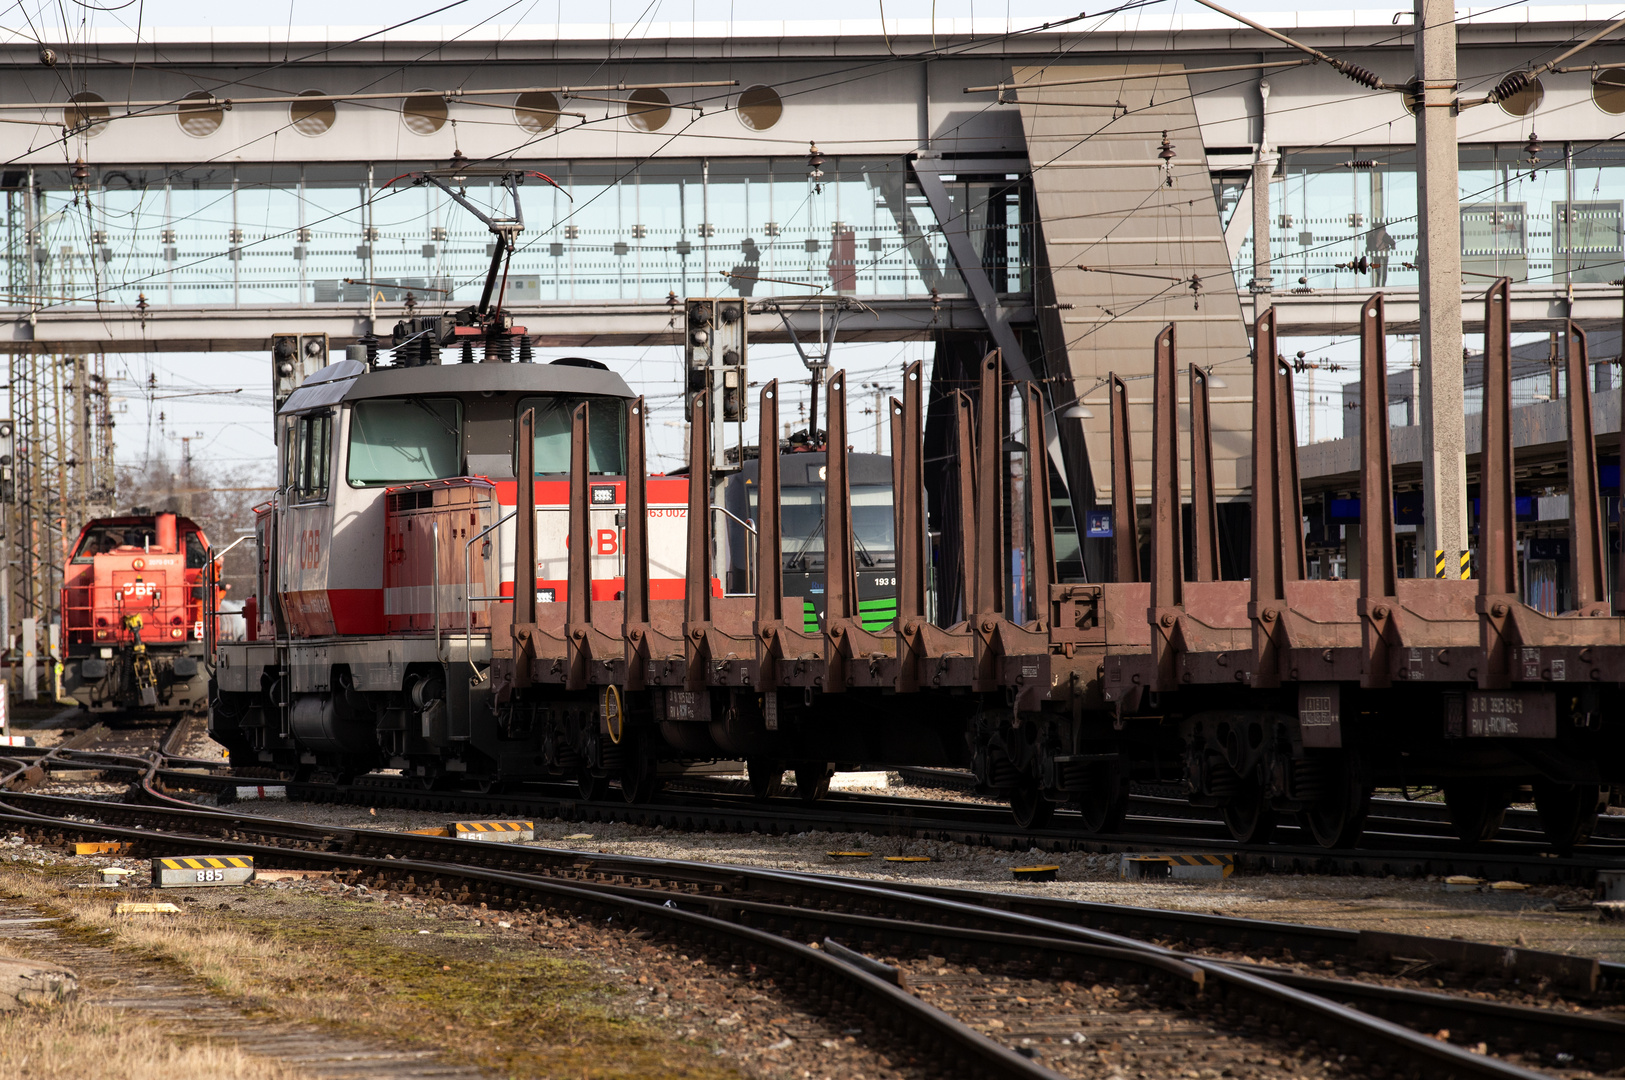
point(78, 1041)
point(514, 1011)
point(215, 954)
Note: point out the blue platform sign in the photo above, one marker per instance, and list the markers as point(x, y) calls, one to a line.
point(1099, 523)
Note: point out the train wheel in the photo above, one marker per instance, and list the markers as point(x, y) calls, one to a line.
point(640, 781)
point(1249, 815)
point(766, 777)
point(592, 788)
point(1568, 812)
point(1031, 809)
point(812, 781)
point(1476, 808)
point(1338, 818)
point(1104, 803)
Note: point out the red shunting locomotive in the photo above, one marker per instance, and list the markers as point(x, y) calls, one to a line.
point(134, 600)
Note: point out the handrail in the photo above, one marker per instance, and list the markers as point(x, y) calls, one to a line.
point(211, 581)
point(750, 549)
point(435, 532)
point(742, 521)
point(468, 597)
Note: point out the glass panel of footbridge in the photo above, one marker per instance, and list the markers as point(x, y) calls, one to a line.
point(1525, 214)
point(611, 230)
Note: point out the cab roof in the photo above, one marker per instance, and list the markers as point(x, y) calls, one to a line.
point(350, 380)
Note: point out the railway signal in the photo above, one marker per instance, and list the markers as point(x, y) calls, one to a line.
point(295, 358)
point(8, 465)
point(714, 341)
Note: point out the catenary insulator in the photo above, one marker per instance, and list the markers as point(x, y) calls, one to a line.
point(1363, 76)
point(1512, 84)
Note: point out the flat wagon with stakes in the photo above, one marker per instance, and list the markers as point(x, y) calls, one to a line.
point(469, 575)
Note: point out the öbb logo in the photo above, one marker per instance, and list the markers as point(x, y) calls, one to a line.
point(605, 542)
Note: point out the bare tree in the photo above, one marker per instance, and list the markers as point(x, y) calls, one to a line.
point(220, 500)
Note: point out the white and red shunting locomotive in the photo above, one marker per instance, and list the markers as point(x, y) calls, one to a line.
point(390, 539)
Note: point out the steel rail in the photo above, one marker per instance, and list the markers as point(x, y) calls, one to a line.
point(959, 1050)
point(1139, 923)
point(1402, 854)
point(1245, 934)
point(979, 826)
point(992, 827)
point(1261, 992)
point(1385, 808)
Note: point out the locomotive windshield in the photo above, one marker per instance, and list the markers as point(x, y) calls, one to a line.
point(105, 539)
point(403, 440)
point(606, 433)
point(802, 521)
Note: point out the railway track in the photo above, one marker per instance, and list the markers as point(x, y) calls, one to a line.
point(1202, 931)
point(1401, 848)
point(1431, 817)
point(1401, 845)
point(982, 957)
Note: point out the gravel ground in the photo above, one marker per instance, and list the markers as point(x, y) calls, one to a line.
point(1531, 917)
point(766, 1036)
point(1099, 1029)
point(1534, 917)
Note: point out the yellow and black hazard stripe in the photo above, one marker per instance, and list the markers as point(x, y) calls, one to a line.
point(208, 862)
point(1225, 863)
point(1441, 564)
point(1196, 860)
point(493, 826)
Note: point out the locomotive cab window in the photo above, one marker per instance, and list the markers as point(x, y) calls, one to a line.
point(404, 440)
point(102, 539)
point(196, 556)
point(309, 457)
point(606, 433)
